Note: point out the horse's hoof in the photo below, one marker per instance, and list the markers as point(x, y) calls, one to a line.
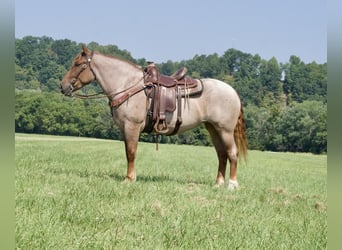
point(129, 180)
point(219, 184)
point(232, 185)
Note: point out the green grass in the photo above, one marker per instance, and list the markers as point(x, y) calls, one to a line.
point(70, 195)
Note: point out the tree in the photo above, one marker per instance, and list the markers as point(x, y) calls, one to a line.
point(25, 79)
point(65, 50)
point(270, 75)
point(305, 81)
point(303, 127)
point(49, 75)
point(168, 68)
point(261, 125)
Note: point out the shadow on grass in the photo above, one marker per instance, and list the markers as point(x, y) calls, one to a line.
point(156, 179)
point(85, 173)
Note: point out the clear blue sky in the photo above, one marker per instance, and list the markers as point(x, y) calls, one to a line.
point(179, 29)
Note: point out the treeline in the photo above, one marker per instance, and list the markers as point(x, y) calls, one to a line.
point(285, 104)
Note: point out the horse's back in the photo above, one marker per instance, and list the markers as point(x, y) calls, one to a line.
point(217, 88)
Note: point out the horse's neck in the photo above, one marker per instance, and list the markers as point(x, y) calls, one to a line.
point(115, 75)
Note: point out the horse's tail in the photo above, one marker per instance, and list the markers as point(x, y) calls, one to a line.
point(240, 136)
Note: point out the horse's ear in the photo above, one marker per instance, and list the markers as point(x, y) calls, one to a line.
point(85, 49)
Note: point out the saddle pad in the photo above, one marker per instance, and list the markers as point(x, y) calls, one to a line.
point(197, 90)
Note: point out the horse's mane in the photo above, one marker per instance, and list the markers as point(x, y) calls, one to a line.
point(80, 55)
point(120, 59)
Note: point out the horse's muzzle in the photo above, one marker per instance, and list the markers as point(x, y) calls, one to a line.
point(67, 91)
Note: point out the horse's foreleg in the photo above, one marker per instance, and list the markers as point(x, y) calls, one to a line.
point(131, 136)
point(131, 148)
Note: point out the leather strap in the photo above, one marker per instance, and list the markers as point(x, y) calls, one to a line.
point(179, 111)
point(119, 98)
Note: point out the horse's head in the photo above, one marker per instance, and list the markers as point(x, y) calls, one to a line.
point(79, 74)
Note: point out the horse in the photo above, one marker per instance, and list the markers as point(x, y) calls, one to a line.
point(219, 107)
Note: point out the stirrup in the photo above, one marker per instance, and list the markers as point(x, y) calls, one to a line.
point(160, 127)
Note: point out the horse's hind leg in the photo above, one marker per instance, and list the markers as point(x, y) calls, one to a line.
point(221, 154)
point(226, 149)
point(229, 142)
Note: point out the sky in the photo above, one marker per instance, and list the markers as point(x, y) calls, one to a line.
point(180, 29)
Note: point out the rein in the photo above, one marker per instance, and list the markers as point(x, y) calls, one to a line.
point(117, 98)
point(93, 96)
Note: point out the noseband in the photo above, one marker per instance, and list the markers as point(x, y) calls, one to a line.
point(83, 67)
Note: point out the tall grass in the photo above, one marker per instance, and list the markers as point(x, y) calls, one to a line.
point(70, 195)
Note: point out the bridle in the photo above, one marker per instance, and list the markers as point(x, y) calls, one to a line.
point(116, 99)
point(77, 78)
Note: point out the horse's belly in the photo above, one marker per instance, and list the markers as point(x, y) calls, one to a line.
point(192, 115)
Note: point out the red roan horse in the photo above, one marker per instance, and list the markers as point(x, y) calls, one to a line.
point(218, 107)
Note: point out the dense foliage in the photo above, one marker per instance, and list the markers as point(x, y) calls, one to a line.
point(285, 104)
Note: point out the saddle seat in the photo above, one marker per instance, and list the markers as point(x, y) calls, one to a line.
point(178, 78)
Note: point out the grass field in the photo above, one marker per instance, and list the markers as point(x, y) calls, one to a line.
point(69, 194)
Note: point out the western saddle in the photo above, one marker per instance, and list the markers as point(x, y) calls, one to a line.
point(165, 93)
